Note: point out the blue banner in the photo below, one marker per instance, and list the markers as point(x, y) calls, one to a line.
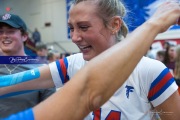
point(138, 12)
point(68, 5)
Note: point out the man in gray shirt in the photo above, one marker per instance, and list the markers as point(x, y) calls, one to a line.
point(13, 34)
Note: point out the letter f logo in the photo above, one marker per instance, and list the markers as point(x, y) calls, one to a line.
point(128, 90)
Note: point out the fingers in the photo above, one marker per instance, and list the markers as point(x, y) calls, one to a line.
point(173, 1)
point(166, 15)
point(179, 17)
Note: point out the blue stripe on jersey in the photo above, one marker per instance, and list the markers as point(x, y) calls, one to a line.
point(162, 90)
point(66, 63)
point(25, 115)
point(159, 78)
point(160, 84)
point(59, 70)
point(65, 77)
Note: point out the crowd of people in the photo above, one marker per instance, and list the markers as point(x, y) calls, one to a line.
point(103, 81)
point(169, 56)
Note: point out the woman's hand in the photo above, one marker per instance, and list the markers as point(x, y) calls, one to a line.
point(166, 15)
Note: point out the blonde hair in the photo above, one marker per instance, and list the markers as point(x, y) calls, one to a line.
point(107, 9)
point(177, 63)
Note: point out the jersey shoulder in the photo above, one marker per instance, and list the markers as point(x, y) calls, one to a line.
point(150, 65)
point(76, 60)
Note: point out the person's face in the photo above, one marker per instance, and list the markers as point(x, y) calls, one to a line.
point(42, 52)
point(88, 31)
point(11, 40)
point(160, 58)
point(55, 57)
point(171, 52)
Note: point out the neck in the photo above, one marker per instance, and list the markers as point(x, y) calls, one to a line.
point(171, 59)
point(15, 54)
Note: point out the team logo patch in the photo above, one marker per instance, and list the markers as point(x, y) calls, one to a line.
point(128, 90)
point(6, 17)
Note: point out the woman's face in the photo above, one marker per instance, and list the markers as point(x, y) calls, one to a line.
point(88, 31)
point(171, 52)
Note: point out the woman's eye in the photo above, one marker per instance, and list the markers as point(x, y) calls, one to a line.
point(84, 28)
point(71, 29)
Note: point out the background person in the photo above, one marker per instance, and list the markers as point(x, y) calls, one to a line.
point(42, 52)
point(169, 58)
point(53, 56)
point(177, 66)
point(13, 34)
point(36, 36)
point(160, 55)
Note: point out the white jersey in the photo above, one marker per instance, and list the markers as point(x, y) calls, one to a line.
point(149, 85)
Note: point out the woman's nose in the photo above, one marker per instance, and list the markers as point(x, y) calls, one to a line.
point(76, 36)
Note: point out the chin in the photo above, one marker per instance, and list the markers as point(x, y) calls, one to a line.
point(87, 57)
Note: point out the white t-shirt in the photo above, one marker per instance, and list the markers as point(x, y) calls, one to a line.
point(149, 85)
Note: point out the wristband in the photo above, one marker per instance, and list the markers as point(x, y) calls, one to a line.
point(24, 115)
point(13, 79)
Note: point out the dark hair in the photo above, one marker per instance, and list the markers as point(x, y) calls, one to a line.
point(41, 47)
point(166, 56)
point(23, 32)
point(50, 55)
point(161, 53)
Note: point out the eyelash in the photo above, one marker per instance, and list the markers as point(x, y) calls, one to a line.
point(83, 28)
point(71, 29)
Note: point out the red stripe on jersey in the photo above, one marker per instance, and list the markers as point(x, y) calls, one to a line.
point(158, 86)
point(97, 114)
point(64, 69)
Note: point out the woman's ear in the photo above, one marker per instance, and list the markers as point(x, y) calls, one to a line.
point(115, 24)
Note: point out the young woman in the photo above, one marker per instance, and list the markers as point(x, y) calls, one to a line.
point(169, 57)
point(177, 66)
point(96, 26)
